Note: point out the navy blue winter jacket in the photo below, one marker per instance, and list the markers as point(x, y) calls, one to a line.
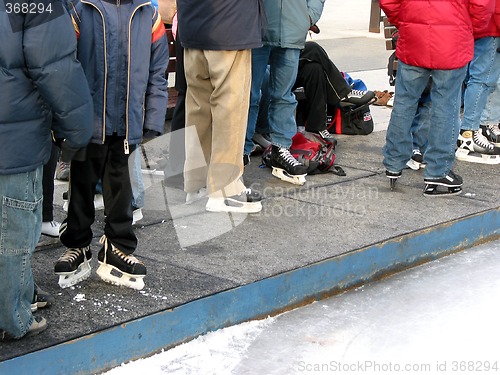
point(39, 76)
point(123, 49)
point(220, 24)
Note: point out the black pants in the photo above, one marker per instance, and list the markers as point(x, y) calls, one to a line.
point(323, 84)
point(110, 163)
point(49, 170)
point(177, 147)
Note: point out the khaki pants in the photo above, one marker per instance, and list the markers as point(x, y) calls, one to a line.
point(217, 101)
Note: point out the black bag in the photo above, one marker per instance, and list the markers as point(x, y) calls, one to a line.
point(350, 120)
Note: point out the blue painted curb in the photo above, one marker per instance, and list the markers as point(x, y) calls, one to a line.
point(142, 337)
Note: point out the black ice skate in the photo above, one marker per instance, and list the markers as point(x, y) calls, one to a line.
point(286, 167)
point(492, 133)
point(357, 98)
point(117, 268)
point(328, 137)
point(393, 177)
point(416, 161)
point(474, 147)
point(452, 182)
point(73, 266)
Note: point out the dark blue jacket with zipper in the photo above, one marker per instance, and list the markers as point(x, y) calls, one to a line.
point(123, 49)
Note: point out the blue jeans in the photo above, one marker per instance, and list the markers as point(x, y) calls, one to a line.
point(136, 180)
point(491, 113)
point(283, 68)
point(421, 125)
point(484, 70)
point(444, 118)
point(21, 224)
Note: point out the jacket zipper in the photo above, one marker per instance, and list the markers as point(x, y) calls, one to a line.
point(125, 142)
point(105, 72)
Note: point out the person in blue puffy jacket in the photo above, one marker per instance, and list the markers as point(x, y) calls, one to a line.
point(43, 88)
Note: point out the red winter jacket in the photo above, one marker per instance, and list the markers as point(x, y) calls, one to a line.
point(437, 34)
point(494, 25)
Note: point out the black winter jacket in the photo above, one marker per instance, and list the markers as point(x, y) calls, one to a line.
point(220, 24)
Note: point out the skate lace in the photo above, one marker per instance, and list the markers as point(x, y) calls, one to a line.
point(288, 157)
point(494, 129)
point(482, 141)
point(325, 134)
point(71, 254)
point(129, 259)
point(357, 93)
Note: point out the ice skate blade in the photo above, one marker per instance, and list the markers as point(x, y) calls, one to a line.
point(415, 165)
point(432, 190)
point(299, 179)
point(475, 157)
point(219, 205)
point(392, 182)
point(67, 279)
point(106, 273)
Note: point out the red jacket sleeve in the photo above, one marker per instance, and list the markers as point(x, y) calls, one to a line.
point(391, 10)
point(481, 12)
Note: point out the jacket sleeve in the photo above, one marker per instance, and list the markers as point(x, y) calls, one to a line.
point(315, 8)
point(49, 47)
point(391, 10)
point(496, 15)
point(481, 12)
point(157, 92)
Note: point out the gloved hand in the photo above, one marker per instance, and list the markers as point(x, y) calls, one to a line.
point(314, 28)
point(150, 134)
point(69, 153)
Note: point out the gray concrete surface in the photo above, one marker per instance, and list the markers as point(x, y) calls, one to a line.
point(329, 216)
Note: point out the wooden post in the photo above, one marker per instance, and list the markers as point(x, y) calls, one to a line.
point(375, 17)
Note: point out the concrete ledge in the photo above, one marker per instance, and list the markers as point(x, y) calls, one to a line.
point(148, 335)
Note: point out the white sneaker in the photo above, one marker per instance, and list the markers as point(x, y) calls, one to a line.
point(197, 195)
point(51, 228)
point(137, 215)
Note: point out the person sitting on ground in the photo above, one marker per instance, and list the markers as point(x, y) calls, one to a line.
point(324, 85)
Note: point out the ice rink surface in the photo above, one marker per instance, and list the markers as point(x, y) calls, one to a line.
point(438, 318)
